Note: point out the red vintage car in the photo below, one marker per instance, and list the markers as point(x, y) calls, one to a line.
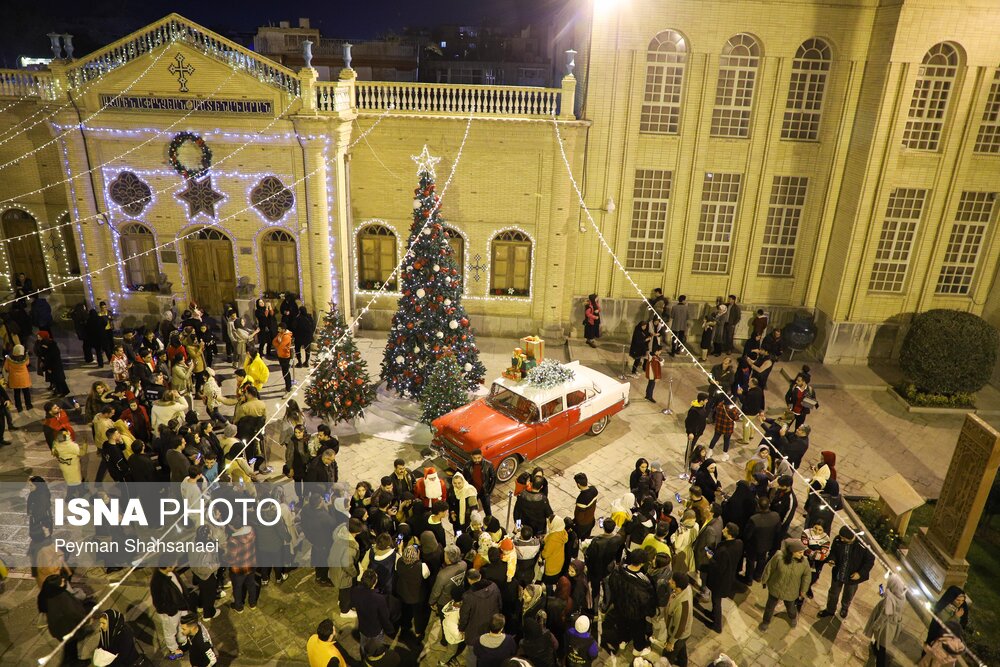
point(518, 422)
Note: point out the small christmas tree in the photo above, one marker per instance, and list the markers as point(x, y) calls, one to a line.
point(340, 389)
point(444, 390)
point(430, 321)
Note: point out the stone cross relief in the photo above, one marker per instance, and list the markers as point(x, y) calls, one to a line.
point(477, 266)
point(181, 70)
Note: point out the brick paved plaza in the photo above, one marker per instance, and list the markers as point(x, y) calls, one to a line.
point(872, 436)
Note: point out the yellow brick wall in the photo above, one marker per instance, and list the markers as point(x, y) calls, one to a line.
point(851, 170)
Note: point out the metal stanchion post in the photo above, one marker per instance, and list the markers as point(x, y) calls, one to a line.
point(510, 508)
point(670, 396)
point(623, 375)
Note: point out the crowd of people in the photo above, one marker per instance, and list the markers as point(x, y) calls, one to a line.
point(421, 569)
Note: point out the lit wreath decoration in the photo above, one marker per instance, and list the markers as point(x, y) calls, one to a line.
point(175, 145)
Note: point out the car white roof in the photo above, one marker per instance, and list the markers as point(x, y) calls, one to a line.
point(583, 378)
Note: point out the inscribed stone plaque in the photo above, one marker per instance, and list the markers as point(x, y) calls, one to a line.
point(966, 487)
point(898, 495)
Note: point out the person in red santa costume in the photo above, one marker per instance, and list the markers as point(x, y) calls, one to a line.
point(430, 488)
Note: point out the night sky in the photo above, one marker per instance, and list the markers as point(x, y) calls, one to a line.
point(98, 22)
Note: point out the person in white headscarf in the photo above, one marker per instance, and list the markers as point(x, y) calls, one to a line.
point(464, 499)
point(886, 621)
point(621, 509)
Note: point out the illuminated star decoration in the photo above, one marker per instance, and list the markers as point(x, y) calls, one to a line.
point(425, 162)
point(201, 198)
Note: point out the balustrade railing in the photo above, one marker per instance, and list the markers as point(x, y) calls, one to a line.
point(172, 29)
point(27, 83)
point(457, 99)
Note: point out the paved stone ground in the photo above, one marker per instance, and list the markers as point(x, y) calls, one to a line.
point(872, 435)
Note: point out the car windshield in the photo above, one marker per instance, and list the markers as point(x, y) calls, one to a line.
point(514, 406)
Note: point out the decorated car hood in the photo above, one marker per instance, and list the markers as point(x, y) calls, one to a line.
point(477, 425)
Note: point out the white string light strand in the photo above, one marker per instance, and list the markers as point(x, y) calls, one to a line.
point(195, 108)
point(84, 121)
point(195, 230)
point(117, 207)
point(328, 353)
point(809, 490)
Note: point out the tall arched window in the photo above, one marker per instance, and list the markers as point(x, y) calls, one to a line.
point(281, 266)
point(665, 63)
point(137, 252)
point(24, 251)
point(510, 270)
point(929, 105)
point(457, 243)
point(734, 92)
point(810, 70)
point(376, 257)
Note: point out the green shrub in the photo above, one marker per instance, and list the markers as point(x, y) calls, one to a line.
point(922, 399)
point(949, 351)
point(877, 525)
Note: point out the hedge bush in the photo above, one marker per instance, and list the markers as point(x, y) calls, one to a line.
point(949, 351)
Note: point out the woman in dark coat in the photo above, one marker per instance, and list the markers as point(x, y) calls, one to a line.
point(303, 329)
point(63, 613)
point(640, 344)
point(707, 478)
point(953, 605)
point(117, 638)
point(638, 481)
point(50, 363)
point(592, 320)
point(538, 646)
point(740, 506)
point(39, 510)
point(92, 341)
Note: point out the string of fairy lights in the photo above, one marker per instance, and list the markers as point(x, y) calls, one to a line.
point(329, 353)
point(196, 230)
point(194, 108)
point(109, 102)
point(889, 568)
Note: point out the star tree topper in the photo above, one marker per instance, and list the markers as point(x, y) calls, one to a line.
point(425, 162)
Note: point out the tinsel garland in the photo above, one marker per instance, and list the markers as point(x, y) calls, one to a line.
point(549, 373)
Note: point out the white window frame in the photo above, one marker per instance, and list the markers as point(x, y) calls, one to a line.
point(781, 230)
point(932, 92)
point(719, 206)
point(736, 86)
point(988, 139)
point(650, 212)
point(895, 245)
point(666, 63)
point(806, 89)
point(965, 243)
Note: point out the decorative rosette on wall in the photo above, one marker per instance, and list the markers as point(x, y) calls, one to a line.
point(271, 198)
point(131, 193)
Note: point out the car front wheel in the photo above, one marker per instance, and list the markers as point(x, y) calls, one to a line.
point(598, 427)
point(507, 468)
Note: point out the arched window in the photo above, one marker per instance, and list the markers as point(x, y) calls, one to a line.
point(929, 104)
point(376, 257)
point(209, 234)
point(665, 63)
point(457, 243)
point(63, 239)
point(137, 252)
point(510, 270)
point(810, 70)
point(281, 266)
point(734, 92)
point(24, 253)
point(988, 140)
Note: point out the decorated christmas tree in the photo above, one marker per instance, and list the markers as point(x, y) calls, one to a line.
point(340, 389)
point(430, 321)
point(444, 390)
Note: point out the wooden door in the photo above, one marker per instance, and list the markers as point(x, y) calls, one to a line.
point(281, 268)
point(24, 254)
point(211, 272)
